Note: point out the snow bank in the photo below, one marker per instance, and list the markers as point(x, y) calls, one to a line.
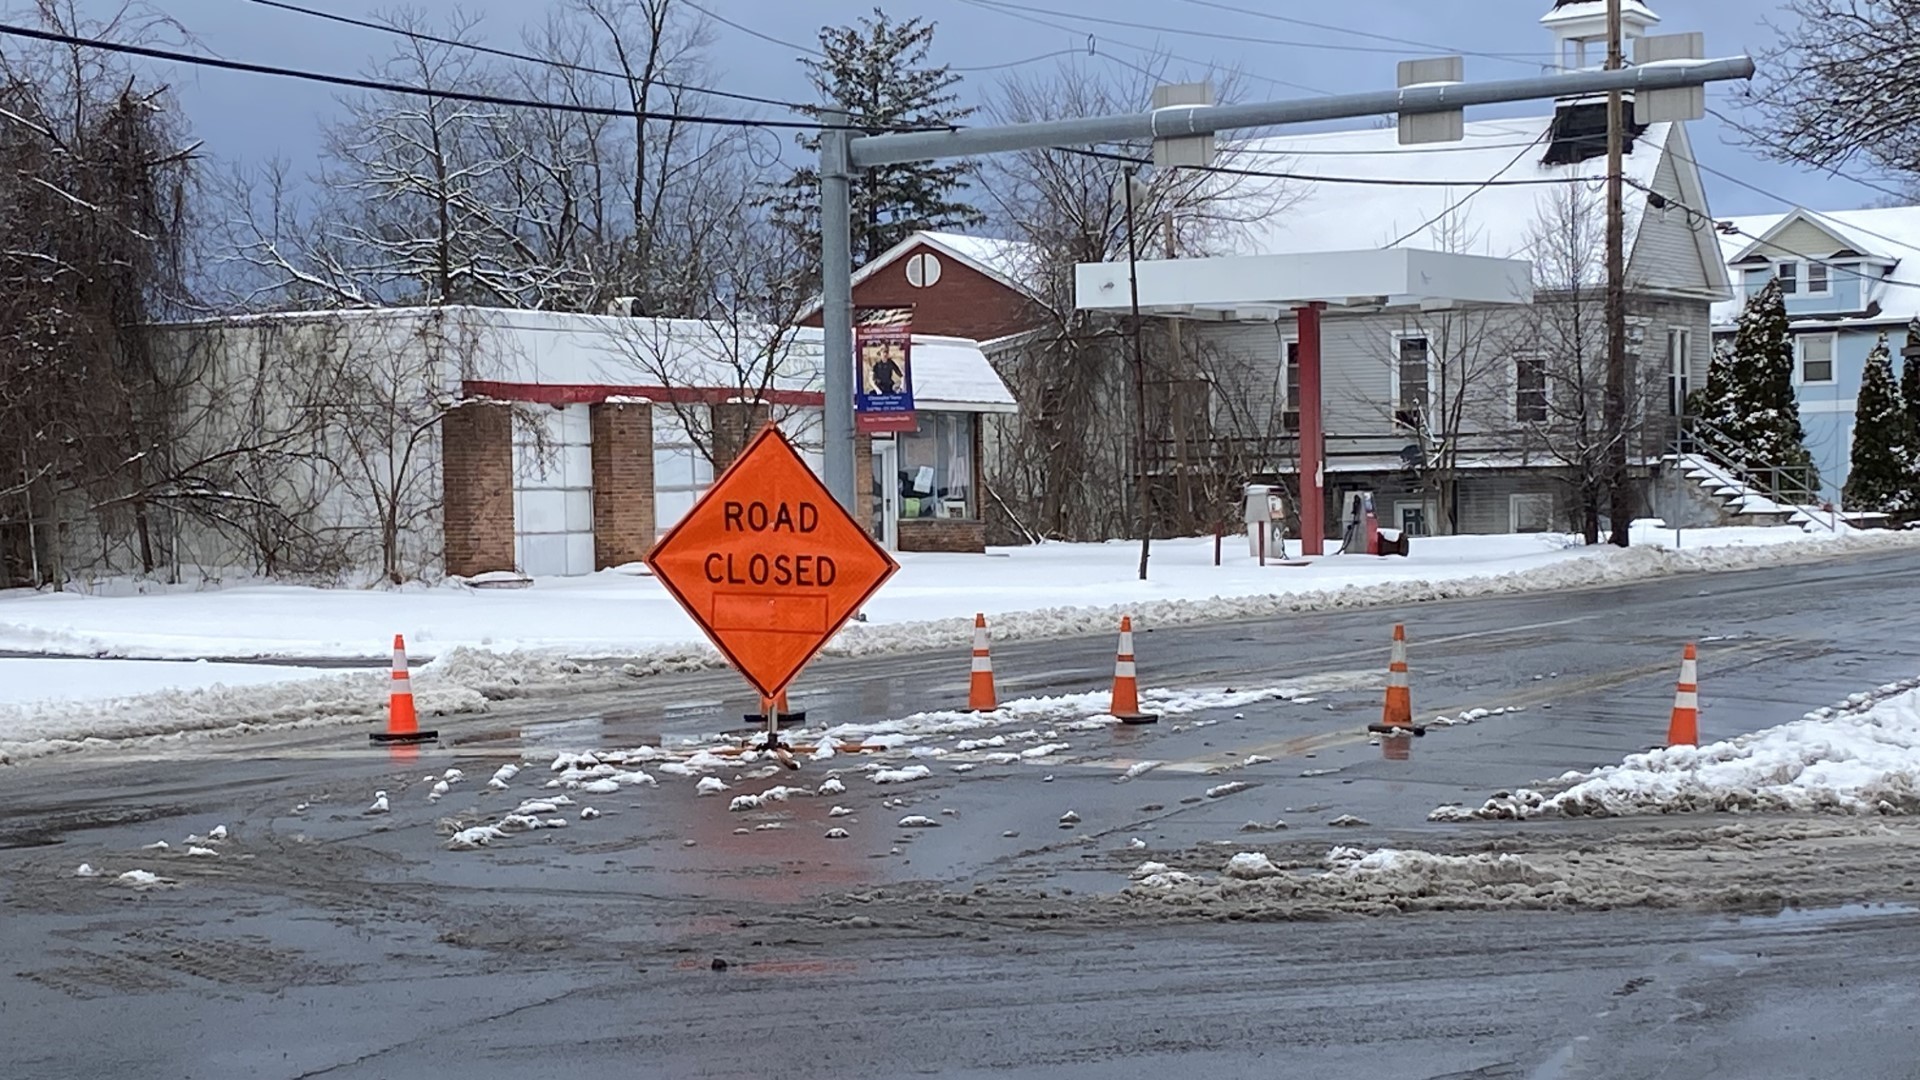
point(1859, 756)
point(1047, 590)
point(494, 644)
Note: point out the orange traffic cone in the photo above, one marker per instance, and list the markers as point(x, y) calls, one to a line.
point(1397, 716)
point(402, 724)
point(1684, 728)
point(1126, 687)
point(980, 697)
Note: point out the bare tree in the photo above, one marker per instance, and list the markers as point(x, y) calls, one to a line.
point(1839, 87)
point(95, 243)
point(1067, 463)
point(1559, 346)
point(1453, 372)
point(722, 366)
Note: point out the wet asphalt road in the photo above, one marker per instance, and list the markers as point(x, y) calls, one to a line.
point(323, 942)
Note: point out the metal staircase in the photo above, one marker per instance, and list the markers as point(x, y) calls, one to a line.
point(1749, 492)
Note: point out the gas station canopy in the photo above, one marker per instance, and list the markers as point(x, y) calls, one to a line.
point(1266, 287)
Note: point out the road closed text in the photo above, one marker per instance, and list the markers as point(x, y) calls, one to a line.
point(785, 569)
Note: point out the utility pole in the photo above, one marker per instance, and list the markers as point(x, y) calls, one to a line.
point(1182, 447)
point(1139, 382)
point(836, 304)
point(1620, 493)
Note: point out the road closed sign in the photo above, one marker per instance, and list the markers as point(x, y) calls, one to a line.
point(769, 564)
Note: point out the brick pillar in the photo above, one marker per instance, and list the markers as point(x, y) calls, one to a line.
point(623, 515)
point(476, 451)
point(735, 423)
point(863, 481)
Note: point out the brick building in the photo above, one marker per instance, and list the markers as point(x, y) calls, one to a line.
point(559, 444)
point(958, 286)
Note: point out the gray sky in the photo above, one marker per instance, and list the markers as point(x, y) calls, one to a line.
point(248, 117)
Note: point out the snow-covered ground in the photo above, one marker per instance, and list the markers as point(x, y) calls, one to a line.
point(492, 636)
point(1050, 589)
point(1859, 756)
point(39, 681)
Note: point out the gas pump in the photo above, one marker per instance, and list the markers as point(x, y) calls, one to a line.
point(1266, 518)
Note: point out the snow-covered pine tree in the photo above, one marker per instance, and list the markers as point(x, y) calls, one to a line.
point(1759, 418)
point(1711, 403)
point(878, 71)
point(1881, 476)
point(1910, 372)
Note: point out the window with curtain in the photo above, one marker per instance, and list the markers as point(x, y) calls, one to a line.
point(936, 468)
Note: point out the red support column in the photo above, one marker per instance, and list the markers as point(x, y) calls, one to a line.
point(1313, 501)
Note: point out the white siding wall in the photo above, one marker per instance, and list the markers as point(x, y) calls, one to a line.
point(1666, 252)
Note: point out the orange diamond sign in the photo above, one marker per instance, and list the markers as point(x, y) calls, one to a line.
point(769, 564)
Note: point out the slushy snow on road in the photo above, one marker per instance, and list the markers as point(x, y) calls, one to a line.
point(1861, 756)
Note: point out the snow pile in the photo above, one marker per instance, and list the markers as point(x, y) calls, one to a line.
point(1250, 866)
point(900, 776)
point(1860, 756)
point(525, 819)
point(145, 879)
point(1425, 872)
point(771, 795)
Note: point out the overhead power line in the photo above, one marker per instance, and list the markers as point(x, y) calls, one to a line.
point(1315, 178)
point(530, 58)
point(1478, 188)
point(1217, 35)
point(999, 9)
point(751, 32)
point(1511, 58)
point(1696, 215)
point(357, 83)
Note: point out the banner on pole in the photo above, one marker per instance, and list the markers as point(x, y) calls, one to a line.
point(883, 352)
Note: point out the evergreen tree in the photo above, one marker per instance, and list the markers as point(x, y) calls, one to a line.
point(1754, 412)
point(1881, 477)
point(878, 71)
point(1910, 372)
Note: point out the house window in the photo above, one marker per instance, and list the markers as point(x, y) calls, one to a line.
point(1412, 401)
point(1679, 377)
point(923, 270)
point(1530, 390)
point(936, 467)
point(1789, 274)
point(1531, 513)
point(1290, 406)
point(1816, 359)
point(1817, 279)
point(1413, 517)
point(1756, 277)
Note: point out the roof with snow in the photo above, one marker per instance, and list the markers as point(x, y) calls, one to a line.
point(549, 348)
point(1432, 196)
point(1010, 262)
point(1888, 235)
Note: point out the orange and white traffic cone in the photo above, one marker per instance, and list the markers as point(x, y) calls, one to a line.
point(980, 696)
point(1126, 685)
point(1396, 718)
point(1684, 728)
point(402, 723)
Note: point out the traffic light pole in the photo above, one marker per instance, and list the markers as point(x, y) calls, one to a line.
point(841, 153)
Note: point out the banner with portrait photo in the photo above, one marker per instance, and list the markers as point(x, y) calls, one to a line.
point(883, 383)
